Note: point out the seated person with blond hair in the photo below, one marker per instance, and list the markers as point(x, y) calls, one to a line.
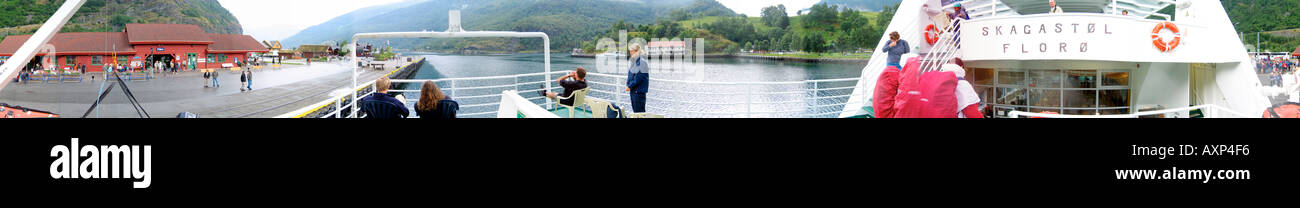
point(381, 105)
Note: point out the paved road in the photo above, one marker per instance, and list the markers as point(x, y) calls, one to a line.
point(276, 91)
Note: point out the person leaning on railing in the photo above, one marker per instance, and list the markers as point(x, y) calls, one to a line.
point(434, 104)
point(1055, 9)
point(957, 13)
point(897, 47)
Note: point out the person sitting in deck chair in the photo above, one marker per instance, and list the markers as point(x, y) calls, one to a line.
point(434, 104)
point(571, 82)
point(381, 105)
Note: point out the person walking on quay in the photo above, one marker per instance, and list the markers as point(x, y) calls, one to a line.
point(243, 80)
point(250, 80)
point(216, 81)
point(207, 77)
point(638, 79)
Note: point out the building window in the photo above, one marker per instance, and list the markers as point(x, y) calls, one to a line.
point(221, 58)
point(121, 60)
point(70, 60)
point(1070, 92)
point(97, 60)
point(211, 58)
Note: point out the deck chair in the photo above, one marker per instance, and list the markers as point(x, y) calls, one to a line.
point(598, 108)
point(383, 110)
point(579, 98)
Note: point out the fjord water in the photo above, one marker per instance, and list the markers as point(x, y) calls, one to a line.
point(440, 66)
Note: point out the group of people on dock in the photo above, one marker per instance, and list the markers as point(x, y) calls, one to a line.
point(212, 79)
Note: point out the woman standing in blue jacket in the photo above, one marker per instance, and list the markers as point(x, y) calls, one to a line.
point(638, 78)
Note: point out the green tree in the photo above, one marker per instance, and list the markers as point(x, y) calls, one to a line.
point(121, 20)
point(886, 15)
point(815, 43)
point(775, 16)
point(822, 16)
point(851, 19)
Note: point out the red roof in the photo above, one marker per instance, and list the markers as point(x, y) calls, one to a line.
point(139, 34)
point(1296, 52)
point(84, 43)
point(227, 43)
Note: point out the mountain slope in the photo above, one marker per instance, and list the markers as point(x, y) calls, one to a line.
point(569, 22)
point(19, 17)
point(865, 5)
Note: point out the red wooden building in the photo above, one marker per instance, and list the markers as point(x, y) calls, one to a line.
point(144, 44)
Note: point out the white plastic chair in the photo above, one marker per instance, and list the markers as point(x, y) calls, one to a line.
point(644, 115)
point(579, 98)
point(598, 108)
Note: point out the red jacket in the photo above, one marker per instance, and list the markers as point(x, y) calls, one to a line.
point(938, 95)
point(931, 95)
point(883, 98)
point(907, 82)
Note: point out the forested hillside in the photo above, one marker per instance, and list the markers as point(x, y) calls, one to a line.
point(18, 17)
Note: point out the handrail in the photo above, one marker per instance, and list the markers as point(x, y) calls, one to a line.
point(993, 9)
point(1212, 111)
point(813, 96)
point(943, 50)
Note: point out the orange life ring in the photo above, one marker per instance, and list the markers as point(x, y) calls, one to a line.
point(931, 34)
point(1160, 42)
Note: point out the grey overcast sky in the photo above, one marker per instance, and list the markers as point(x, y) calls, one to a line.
point(279, 19)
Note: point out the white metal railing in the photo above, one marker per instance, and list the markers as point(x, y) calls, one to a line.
point(1146, 9)
point(480, 96)
point(992, 9)
point(945, 49)
point(1211, 111)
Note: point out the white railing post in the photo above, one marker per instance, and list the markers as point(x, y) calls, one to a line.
point(338, 109)
point(816, 97)
point(749, 94)
point(453, 88)
point(1212, 112)
point(353, 66)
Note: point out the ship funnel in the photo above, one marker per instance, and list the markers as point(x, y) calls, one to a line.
point(453, 21)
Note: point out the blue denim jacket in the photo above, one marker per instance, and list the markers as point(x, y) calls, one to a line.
point(638, 76)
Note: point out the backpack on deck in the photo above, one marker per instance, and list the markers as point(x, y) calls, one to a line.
point(885, 94)
point(613, 111)
point(926, 95)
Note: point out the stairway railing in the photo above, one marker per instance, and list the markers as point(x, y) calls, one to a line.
point(943, 50)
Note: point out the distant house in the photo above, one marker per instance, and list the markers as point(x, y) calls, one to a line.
point(288, 54)
point(668, 48)
point(314, 51)
point(141, 44)
point(273, 47)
